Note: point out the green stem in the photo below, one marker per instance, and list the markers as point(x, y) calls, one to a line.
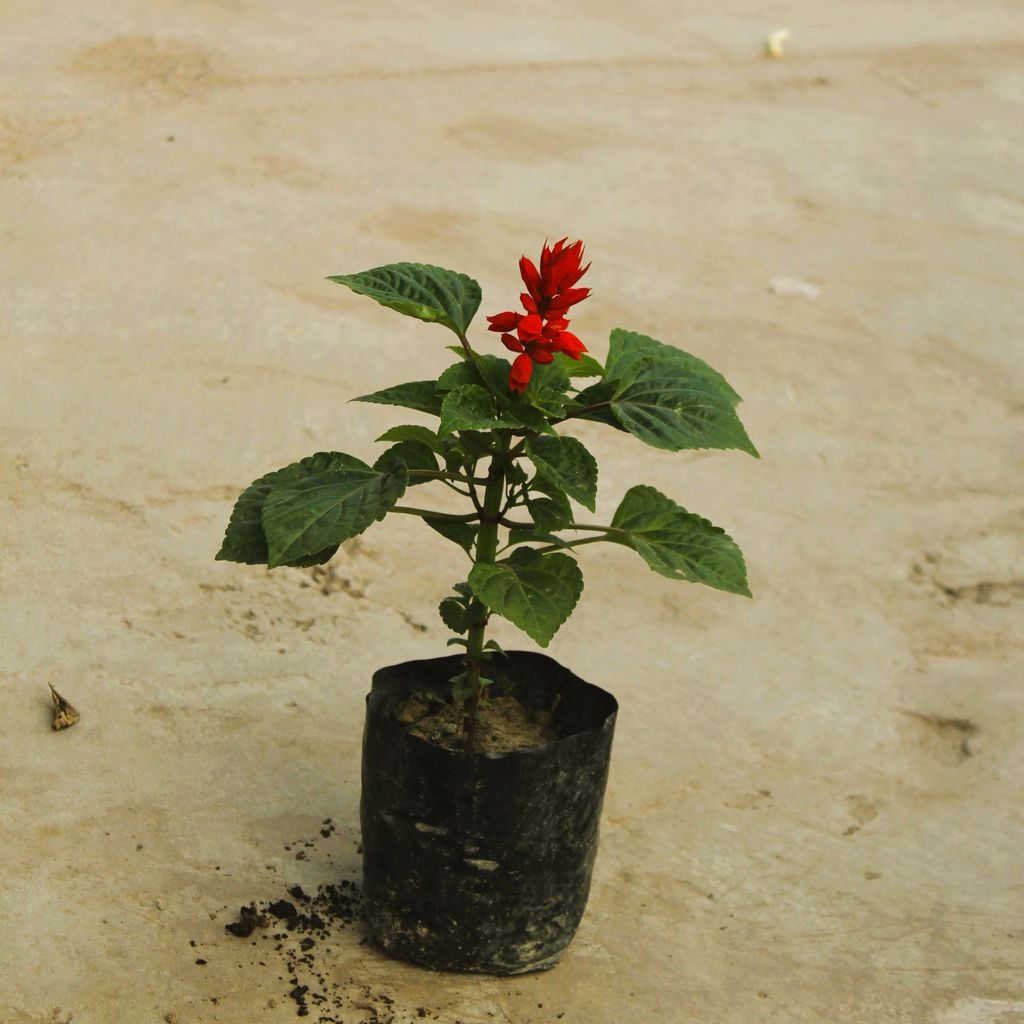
point(601, 529)
point(433, 474)
point(579, 412)
point(486, 549)
point(426, 513)
point(465, 344)
point(569, 544)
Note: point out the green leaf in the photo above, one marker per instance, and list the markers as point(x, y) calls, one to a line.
point(677, 543)
point(666, 407)
point(461, 533)
point(307, 515)
point(515, 474)
point(526, 536)
point(461, 690)
point(493, 372)
point(424, 292)
point(553, 376)
point(585, 366)
point(420, 395)
point(411, 455)
point(454, 615)
point(549, 507)
point(458, 374)
point(411, 432)
point(525, 415)
point(628, 348)
point(535, 592)
point(549, 513)
point(470, 407)
point(567, 464)
point(245, 541)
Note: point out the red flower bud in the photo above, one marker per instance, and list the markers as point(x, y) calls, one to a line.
point(519, 378)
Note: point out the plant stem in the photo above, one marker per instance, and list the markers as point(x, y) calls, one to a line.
point(580, 412)
point(569, 544)
point(432, 474)
point(486, 548)
point(465, 344)
point(426, 513)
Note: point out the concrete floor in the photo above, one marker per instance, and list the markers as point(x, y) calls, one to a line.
point(815, 806)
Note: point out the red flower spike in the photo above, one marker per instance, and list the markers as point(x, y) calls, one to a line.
point(519, 378)
point(550, 292)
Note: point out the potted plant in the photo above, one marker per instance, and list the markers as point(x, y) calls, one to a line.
point(484, 772)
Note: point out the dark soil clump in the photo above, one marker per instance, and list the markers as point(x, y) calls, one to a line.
point(249, 919)
point(309, 923)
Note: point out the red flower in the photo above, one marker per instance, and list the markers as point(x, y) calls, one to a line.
point(549, 294)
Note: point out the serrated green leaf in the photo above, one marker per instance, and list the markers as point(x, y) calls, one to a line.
point(567, 464)
point(549, 513)
point(458, 374)
point(411, 455)
point(470, 407)
point(515, 474)
point(679, 544)
point(461, 533)
point(525, 415)
point(413, 432)
point(307, 515)
point(666, 407)
point(550, 401)
point(461, 690)
point(553, 376)
point(420, 395)
point(493, 372)
point(454, 615)
point(535, 592)
point(627, 349)
point(419, 290)
point(244, 539)
point(585, 366)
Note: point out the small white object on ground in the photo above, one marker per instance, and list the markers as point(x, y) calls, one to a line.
point(793, 286)
point(775, 41)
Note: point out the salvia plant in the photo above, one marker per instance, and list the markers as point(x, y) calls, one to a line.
point(498, 439)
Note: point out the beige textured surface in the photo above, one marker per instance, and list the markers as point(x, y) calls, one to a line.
point(801, 824)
